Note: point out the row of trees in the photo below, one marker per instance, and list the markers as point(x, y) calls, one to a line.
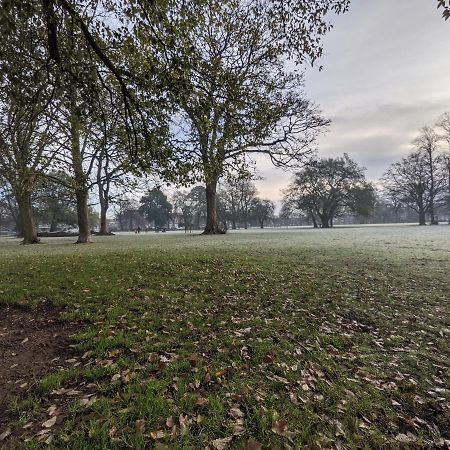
point(185, 91)
point(237, 206)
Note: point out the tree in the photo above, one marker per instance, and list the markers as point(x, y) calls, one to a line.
point(183, 207)
point(156, 208)
point(197, 201)
point(427, 142)
point(230, 194)
point(262, 210)
point(247, 194)
point(325, 188)
point(444, 127)
point(408, 183)
point(111, 162)
point(26, 112)
point(229, 83)
point(128, 215)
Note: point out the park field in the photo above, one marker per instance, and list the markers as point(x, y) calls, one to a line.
point(266, 339)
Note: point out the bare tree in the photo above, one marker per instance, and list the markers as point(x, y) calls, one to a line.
point(444, 127)
point(427, 142)
point(262, 210)
point(408, 182)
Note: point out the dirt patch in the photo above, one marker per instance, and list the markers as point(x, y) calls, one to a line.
point(33, 343)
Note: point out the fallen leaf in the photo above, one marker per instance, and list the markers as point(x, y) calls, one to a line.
point(5, 434)
point(51, 410)
point(140, 425)
point(50, 422)
point(201, 401)
point(279, 427)
point(236, 413)
point(157, 434)
point(253, 445)
point(222, 444)
point(170, 423)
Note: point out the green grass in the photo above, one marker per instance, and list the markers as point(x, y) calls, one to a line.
point(330, 335)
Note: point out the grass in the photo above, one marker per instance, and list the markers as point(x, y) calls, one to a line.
point(288, 339)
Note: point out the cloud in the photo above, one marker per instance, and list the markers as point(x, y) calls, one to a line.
point(386, 75)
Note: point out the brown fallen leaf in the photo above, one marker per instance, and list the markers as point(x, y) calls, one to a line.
point(279, 427)
point(157, 434)
point(193, 359)
point(201, 401)
point(140, 425)
point(170, 423)
point(50, 422)
point(5, 434)
point(253, 445)
point(236, 413)
point(222, 444)
point(112, 432)
point(51, 410)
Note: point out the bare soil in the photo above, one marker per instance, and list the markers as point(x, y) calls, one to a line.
point(33, 343)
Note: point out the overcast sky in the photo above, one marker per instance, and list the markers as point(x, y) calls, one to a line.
point(386, 74)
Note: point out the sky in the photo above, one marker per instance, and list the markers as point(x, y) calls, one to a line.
point(386, 74)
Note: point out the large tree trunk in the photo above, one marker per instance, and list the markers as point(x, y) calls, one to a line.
point(212, 225)
point(325, 220)
point(422, 217)
point(28, 226)
point(84, 229)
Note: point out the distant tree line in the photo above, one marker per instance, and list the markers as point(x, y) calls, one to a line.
point(238, 206)
point(415, 188)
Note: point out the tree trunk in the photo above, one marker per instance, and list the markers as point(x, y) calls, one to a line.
point(233, 223)
point(448, 188)
point(81, 190)
point(104, 205)
point(422, 217)
point(432, 189)
point(28, 226)
point(84, 229)
point(53, 224)
point(325, 220)
point(212, 226)
point(261, 224)
point(103, 221)
point(314, 220)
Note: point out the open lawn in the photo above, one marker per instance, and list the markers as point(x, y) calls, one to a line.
point(255, 339)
